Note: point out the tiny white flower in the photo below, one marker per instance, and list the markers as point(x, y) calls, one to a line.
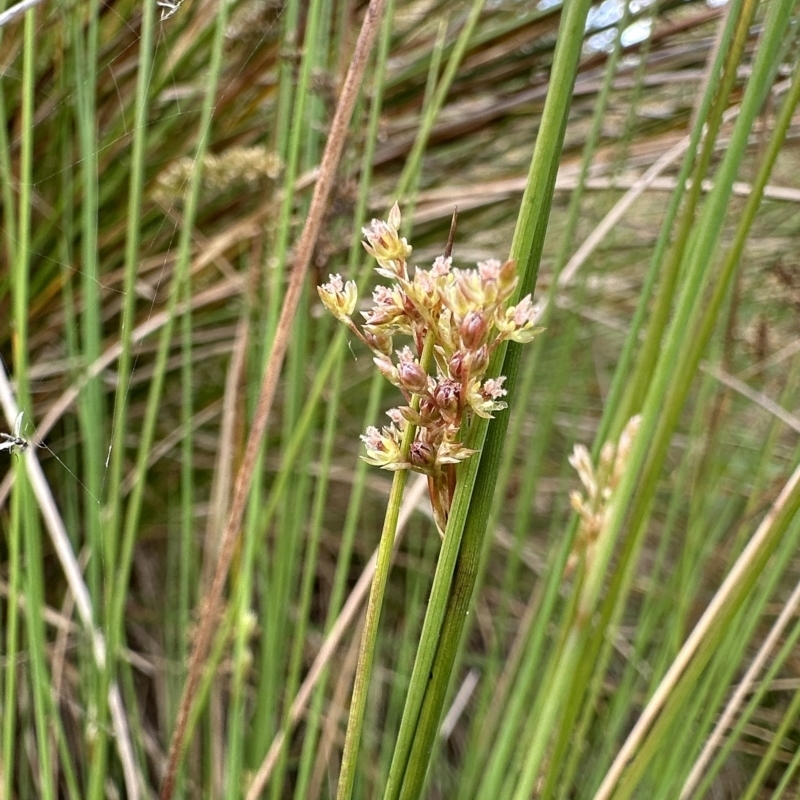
point(338, 297)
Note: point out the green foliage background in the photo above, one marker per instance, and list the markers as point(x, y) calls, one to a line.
point(156, 171)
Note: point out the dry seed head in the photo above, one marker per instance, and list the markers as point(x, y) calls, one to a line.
point(600, 484)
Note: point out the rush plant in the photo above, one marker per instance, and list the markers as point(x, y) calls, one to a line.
point(466, 315)
point(456, 320)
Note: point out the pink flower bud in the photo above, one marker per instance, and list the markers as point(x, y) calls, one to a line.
point(412, 377)
point(473, 329)
point(456, 365)
point(447, 396)
point(479, 361)
point(387, 369)
point(377, 339)
point(394, 216)
point(422, 456)
point(428, 411)
point(507, 275)
point(409, 415)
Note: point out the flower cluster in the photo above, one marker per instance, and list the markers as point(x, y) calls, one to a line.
point(600, 484)
point(468, 314)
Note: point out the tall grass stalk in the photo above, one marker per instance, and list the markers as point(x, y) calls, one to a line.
point(168, 205)
point(705, 312)
point(457, 566)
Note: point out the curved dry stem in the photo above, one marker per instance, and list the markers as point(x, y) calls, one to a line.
point(746, 685)
point(212, 603)
point(83, 602)
point(701, 631)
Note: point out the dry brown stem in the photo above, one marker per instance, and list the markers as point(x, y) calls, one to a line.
point(212, 603)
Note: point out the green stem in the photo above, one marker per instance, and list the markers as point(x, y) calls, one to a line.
point(369, 637)
point(478, 476)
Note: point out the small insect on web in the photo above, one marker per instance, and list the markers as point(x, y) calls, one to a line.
point(14, 442)
point(168, 8)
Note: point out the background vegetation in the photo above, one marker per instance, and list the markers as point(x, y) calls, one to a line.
point(157, 166)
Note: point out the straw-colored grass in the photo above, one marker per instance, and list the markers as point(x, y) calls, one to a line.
point(188, 536)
